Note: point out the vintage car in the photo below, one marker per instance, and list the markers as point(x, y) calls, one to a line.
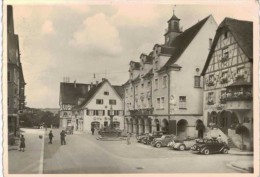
point(69, 130)
point(140, 138)
point(150, 137)
point(182, 144)
point(210, 146)
point(162, 141)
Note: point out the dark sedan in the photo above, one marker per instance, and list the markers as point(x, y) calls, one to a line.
point(150, 137)
point(210, 146)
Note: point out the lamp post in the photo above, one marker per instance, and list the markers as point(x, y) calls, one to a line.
point(111, 117)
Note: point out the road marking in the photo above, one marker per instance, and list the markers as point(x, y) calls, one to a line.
point(42, 153)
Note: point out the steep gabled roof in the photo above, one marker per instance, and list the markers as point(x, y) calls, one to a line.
point(136, 65)
point(120, 90)
point(242, 31)
point(71, 92)
point(182, 41)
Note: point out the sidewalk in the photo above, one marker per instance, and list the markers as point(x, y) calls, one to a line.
point(242, 166)
point(30, 161)
point(236, 151)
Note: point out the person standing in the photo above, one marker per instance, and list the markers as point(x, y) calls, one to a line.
point(62, 137)
point(22, 143)
point(92, 130)
point(128, 139)
point(50, 137)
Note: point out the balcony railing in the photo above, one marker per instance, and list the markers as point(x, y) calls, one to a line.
point(210, 102)
point(223, 100)
point(224, 80)
point(146, 111)
point(210, 83)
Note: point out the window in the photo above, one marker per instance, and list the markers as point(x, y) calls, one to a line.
point(182, 102)
point(158, 103)
point(164, 85)
point(197, 81)
point(225, 35)
point(211, 98)
point(136, 89)
point(162, 103)
point(225, 53)
point(126, 91)
point(148, 84)
point(9, 76)
point(99, 101)
point(106, 93)
point(156, 83)
point(156, 65)
point(142, 86)
point(210, 43)
point(100, 112)
point(90, 112)
point(65, 114)
point(112, 102)
point(211, 78)
point(240, 71)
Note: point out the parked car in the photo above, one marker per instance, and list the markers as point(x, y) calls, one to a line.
point(182, 144)
point(141, 137)
point(150, 137)
point(69, 130)
point(162, 141)
point(210, 146)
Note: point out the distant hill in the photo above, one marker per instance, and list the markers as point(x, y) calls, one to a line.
point(52, 110)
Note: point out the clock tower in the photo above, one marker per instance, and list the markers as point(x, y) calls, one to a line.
point(173, 29)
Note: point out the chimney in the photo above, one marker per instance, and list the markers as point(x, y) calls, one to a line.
point(104, 79)
point(75, 85)
point(91, 85)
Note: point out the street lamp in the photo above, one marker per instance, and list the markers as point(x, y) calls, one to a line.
point(111, 117)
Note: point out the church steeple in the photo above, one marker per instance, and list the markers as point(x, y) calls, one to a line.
point(173, 29)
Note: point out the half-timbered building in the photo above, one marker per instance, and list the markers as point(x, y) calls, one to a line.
point(228, 81)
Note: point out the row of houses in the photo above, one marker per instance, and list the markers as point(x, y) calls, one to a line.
point(15, 78)
point(198, 83)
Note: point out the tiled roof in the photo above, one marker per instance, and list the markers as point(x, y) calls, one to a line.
point(120, 90)
point(242, 32)
point(181, 42)
point(94, 90)
point(150, 72)
point(136, 64)
point(70, 92)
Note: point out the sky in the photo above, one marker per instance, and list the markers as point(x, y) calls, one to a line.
point(76, 40)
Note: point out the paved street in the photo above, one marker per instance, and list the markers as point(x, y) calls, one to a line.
point(30, 161)
point(85, 154)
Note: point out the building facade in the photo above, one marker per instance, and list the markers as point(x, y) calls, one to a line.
point(15, 78)
point(228, 83)
point(96, 109)
point(164, 90)
point(70, 93)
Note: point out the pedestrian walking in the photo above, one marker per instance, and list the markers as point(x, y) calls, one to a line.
point(62, 137)
point(22, 143)
point(92, 130)
point(50, 137)
point(128, 139)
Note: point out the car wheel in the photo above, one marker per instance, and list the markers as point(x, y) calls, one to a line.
point(182, 147)
point(206, 151)
point(158, 145)
point(225, 150)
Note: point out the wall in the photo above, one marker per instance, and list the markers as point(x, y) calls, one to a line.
point(105, 106)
